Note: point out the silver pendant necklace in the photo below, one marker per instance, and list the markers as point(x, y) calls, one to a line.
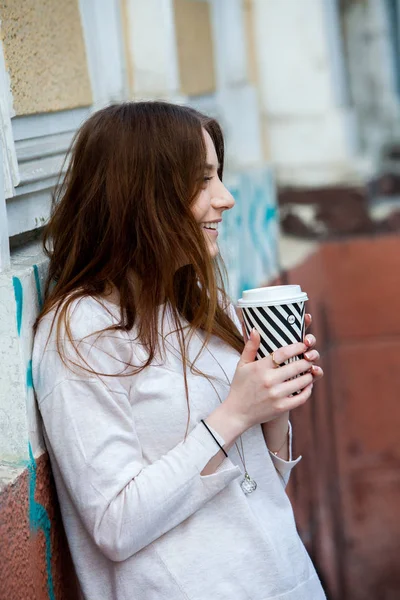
point(248, 484)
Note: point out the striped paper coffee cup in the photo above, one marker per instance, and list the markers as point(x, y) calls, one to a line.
point(277, 312)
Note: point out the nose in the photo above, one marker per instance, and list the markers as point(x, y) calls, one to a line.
point(222, 198)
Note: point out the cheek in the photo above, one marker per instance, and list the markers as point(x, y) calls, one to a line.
point(201, 205)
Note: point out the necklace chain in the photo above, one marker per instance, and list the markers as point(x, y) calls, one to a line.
point(248, 484)
point(241, 456)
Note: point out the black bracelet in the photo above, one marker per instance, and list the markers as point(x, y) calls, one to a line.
point(211, 433)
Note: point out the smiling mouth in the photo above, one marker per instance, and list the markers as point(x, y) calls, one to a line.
point(211, 226)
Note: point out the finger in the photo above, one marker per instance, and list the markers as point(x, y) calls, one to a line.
point(283, 354)
point(287, 388)
point(312, 355)
point(307, 320)
point(250, 350)
point(317, 372)
point(297, 367)
point(310, 340)
point(288, 404)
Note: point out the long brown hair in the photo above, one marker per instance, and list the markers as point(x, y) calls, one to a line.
point(124, 207)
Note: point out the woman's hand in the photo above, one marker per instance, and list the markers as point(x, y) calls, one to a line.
point(275, 431)
point(261, 392)
point(312, 355)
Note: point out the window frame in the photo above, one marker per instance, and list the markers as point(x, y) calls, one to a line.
point(34, 146)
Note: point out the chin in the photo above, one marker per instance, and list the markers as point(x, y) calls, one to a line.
point(214, 251)
point(212, 247)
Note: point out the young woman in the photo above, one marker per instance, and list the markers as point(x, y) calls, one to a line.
point(170, 445)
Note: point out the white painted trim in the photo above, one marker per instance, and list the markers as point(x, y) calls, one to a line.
point(29, 211)
point(171, 47)
point(34, 126)
point(41, 159)
point(230, 58)
point(48, 145)
point(152, 48)
point(4, 244)
point(10, 165)
point(102, 29)
point(340, 87)
point(235, 103)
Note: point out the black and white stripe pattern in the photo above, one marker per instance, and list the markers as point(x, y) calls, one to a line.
point(278, 326)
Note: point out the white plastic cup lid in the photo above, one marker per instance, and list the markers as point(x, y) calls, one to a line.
point(272, 295)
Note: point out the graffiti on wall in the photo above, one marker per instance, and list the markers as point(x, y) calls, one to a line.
point(38, 517)
point(39, 521)
point(249, 233)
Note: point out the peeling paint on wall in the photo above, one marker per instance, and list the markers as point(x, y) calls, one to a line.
point(249, 233)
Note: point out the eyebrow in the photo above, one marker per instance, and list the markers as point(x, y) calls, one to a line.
point(209, 166)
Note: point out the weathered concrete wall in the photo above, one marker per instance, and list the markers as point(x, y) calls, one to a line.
point(34, 556)
point(346, 490)
point(308, 127)
point(35, 563)
point(372, 72)
point(20, 301)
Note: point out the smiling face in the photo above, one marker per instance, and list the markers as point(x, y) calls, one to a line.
point(213, 199)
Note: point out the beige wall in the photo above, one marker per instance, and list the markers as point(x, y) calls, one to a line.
point(250, 42)
point(252, 68)
point(195, 46)
point(45, 55)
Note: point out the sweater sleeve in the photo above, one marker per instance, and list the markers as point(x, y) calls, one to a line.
point(124, 504)
point(284, 467)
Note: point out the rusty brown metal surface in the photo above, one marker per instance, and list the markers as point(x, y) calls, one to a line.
point(346, 490)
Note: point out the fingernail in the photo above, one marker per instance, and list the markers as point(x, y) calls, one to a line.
point(309, 316)
point(307, 355)
point(309, 339)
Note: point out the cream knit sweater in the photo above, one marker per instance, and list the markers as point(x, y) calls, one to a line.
point(141, 522)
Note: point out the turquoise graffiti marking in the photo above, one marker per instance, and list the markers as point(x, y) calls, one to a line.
point(253, 221)
point(38, 288)
point(39, 519)
point(19, 300)
point(29, 380)
point(270, 214)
